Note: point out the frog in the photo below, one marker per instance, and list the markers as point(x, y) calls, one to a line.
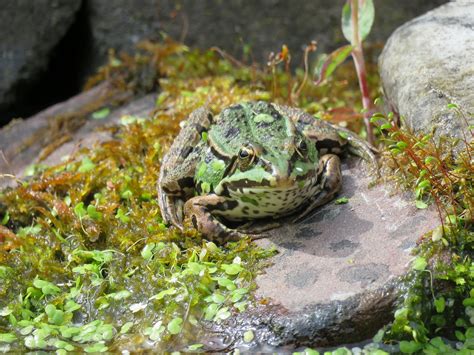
point(252, 167)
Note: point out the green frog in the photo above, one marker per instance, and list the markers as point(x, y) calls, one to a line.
point(253, 165)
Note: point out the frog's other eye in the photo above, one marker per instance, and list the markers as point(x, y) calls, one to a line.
point(246, 153)
point(302, 146)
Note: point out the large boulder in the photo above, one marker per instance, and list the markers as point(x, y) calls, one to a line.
point(29, 31)
point(427, 64)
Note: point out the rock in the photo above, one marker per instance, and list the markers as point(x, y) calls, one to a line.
point(62, 129)
point(29, 31)
point(427, 64)
point(121, 26)
point(335, 277)
point(264, 25)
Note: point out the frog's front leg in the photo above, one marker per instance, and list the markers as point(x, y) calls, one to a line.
point(330, 183)
point(176, 180)
point(198, 210)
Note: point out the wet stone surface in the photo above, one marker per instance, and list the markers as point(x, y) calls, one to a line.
point(335, 277)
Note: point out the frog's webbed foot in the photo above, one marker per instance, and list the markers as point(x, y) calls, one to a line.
point(331, 181)
point(198, 210)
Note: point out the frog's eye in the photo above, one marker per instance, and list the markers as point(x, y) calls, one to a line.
point(245, 153)
point(302, 146)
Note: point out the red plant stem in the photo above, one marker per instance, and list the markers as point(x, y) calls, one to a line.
point(359, 63)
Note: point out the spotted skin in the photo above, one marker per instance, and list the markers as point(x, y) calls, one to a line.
point(256, 163)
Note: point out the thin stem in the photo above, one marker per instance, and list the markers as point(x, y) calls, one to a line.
point(359, 63)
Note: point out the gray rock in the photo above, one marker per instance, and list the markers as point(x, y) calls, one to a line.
point(121, 25)
point(264, 24)
point(29, 30)
point(427, 64)
point(336, 275)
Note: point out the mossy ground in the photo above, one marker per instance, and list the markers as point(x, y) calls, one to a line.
point(85, 260)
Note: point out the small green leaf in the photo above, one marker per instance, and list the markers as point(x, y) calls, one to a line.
point(440, 304)
point(468, 302)
point(96, 348)
point(217, 298)
point(93, 213)
point(248, 336)
point(328, 64)
point(459, 335)
point(366, 14)
point(101, 114)
point(46, 287)
point(86, 165)
point(121, 295)
point(162, 294)
point(343, 135)
point(5, 311)
point(402, 145)
point(7, 337)
point(174, 327)
point(79, 210)
point(309, 351)
point(222, 314)
point(126, 194)
point(27, 330)
point(71, 306)
point(195, 347)
point(155, 332)
point(5, 219)
point(410, 347)
point(120, 215)
point(451, 219)
point(231, 269)
point(30, 230)
point(424, 184)
point(430, 159)
point(419, 264)
point(147, 251)
point(379, 336)
point(452, 106)
point(420, 204)
point(136, 307)
point(126, 327)
point(225, 282)
point(211, 311)
point(69, 332)
point(61, 344)
point(342, 201)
